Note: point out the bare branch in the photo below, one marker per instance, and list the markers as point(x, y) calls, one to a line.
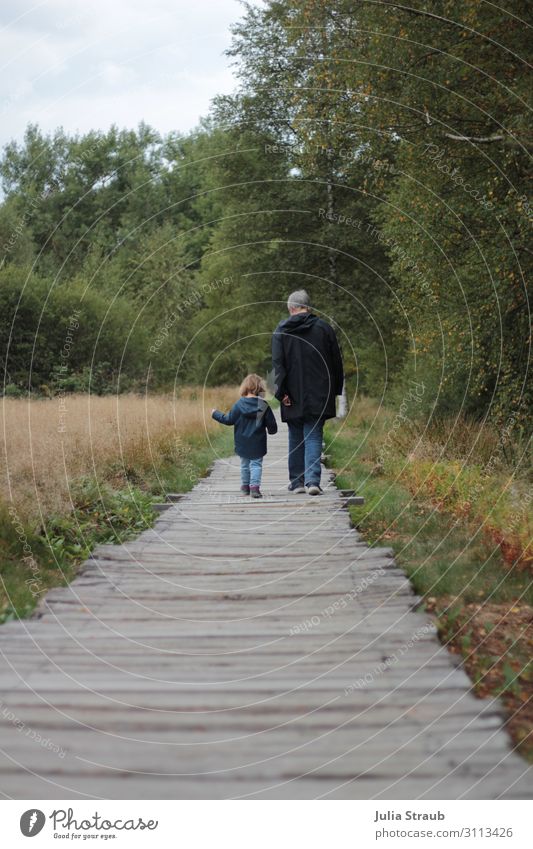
point(478, 139)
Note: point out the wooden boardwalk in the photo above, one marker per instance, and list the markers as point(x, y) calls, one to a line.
point(244, 649)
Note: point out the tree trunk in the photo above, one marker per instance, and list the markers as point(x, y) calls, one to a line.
point(342, 404)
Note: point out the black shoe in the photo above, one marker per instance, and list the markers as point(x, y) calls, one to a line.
point(255, 492)
point(245, 489)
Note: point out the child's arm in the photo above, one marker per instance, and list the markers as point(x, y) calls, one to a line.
point(270, 421)
point(228, 419)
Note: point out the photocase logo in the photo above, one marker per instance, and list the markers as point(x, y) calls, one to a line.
point(32, 822)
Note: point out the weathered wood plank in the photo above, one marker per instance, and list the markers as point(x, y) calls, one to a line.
point(242, 648)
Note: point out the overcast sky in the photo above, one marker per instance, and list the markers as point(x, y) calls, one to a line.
point(85, 64)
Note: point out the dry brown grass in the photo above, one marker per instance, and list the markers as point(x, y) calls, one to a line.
point(47, 444)
point(476, 471)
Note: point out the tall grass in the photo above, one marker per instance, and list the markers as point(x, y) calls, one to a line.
point(79, 470)
point(474, 470)
point(48, 444)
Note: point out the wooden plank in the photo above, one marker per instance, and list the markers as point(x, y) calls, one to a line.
point(242, 648)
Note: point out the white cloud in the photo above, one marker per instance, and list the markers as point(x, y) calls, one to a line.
point(84, 65)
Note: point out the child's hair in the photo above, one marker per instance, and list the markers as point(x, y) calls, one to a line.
point(253, 385)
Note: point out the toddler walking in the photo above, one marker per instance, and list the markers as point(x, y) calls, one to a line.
point(251, 418)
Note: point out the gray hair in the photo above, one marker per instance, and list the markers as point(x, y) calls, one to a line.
point(298, 300)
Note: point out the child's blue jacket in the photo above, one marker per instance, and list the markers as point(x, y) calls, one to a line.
point(251, 419)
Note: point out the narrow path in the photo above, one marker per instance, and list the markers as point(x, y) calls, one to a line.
point(244, 649)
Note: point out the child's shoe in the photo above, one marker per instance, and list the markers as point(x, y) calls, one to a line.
point(245, 489)
point(255, 492)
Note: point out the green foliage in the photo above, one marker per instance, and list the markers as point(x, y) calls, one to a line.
point(65, 336)
point(118, 221)
point(375, 153)
point(429, 123)
point(100, 515)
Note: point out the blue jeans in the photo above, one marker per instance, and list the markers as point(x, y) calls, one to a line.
point(305, 450)
point(251, 471)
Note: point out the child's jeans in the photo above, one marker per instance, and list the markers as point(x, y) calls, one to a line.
point(251, 471)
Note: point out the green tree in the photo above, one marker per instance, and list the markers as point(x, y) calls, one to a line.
point(50, 333)
point(423, 109)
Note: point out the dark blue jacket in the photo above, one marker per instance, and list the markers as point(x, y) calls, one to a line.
point(251, 419)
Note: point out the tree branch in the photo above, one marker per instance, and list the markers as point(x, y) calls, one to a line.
point(507, 138)
point(478, 139)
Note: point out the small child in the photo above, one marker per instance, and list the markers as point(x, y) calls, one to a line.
point(251, 418)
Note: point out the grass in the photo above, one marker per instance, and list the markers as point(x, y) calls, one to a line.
point(90, 477)
point(50, 555)
point(483, 602)
point(125, 439)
